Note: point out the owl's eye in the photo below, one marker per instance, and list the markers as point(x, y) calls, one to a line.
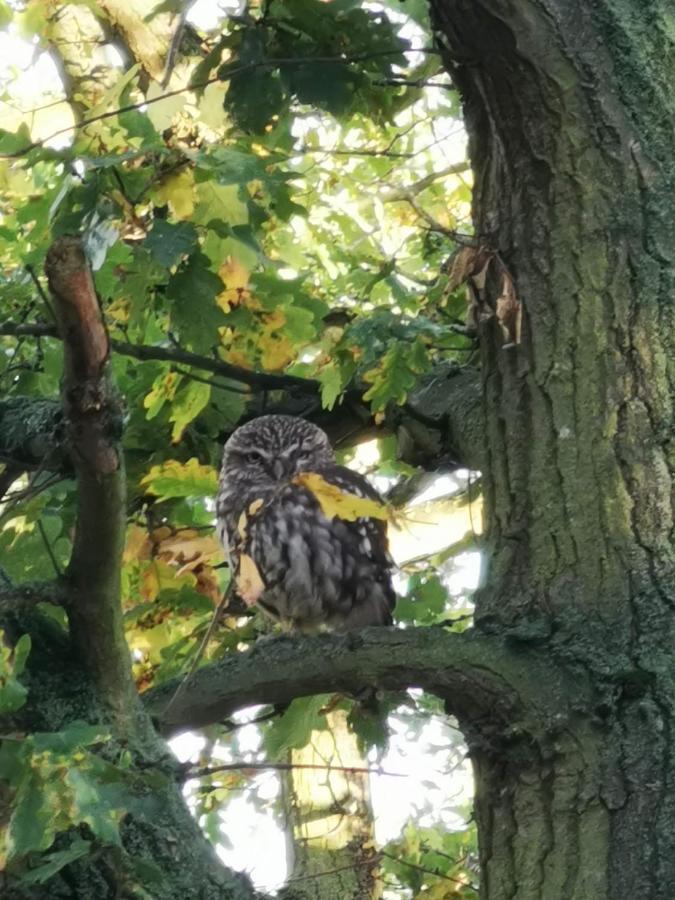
point(252, 457)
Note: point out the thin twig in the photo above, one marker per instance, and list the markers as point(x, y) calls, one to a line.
point(41, 291)
point(199, 653)
point(212, 382)
point(418, 868)
point(48, 546)
point(227, 76)
point(288, 767)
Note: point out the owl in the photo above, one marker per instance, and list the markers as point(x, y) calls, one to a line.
point(317, 571)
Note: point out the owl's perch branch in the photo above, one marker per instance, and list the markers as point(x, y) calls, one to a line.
point(478, 676)
point(92, 427)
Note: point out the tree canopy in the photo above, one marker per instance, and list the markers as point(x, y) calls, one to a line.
point(270, 200)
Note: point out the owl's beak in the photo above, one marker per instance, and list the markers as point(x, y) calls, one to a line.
point(279, 468)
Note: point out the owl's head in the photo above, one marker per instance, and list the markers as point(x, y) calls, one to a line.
point(274, 449)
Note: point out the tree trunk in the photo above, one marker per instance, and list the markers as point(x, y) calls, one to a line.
point(329, 824)
point(570, 112)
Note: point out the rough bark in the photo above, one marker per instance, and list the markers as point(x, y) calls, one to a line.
point(570, 113)
point(329, 820)
point(477, 676)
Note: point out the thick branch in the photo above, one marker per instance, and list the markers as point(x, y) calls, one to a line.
point(92, 425)
point(442, 421)
point(478, 676)
point(259, 380)
point(31, 434)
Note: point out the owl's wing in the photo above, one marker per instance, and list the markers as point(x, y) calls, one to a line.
point(350, 482)
point(372, 605)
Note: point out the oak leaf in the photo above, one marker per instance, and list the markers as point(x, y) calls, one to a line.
point(249, 582)
point(335, 502)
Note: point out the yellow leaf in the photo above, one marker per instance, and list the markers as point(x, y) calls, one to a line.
point(275, 319)
point(335, 502)
point(189, 549)
point(249, 581)
point(255, 506)
point(150, 584)
point(176, 479)
point(275, 352)
point(178, 192)
point(241, 525)
point(163, 390)
point(237, 358)
point(137, 545)
point(235, 278)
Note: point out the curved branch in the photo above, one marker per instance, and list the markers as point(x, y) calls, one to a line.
point(479, 676)
point(92, 427)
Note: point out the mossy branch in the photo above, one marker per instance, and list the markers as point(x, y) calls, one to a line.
point(478, 676)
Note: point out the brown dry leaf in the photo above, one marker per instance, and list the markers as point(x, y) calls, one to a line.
point(255, 506)
point(207, 584)
point(465, 263)
point(479, 276)
point(189, 549)
point(249, 582)
point(509, 311)
point(241, 525)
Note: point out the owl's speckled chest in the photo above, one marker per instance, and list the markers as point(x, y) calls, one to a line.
point(316, 570)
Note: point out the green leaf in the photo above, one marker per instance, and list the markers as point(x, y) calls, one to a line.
point(192, 292)
point(331, 385)
point(230, 167)
point(14, 142)
point(397, 374)
point(55, 862)
point(12, 663)
point(190, 400)
point(294, 728)
point(74, 736)
point(169, 242)
point(327, 85)
point(89, 808)
point(6, 13)
point(175, 479)
point(33, 823)
point(425, 601)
